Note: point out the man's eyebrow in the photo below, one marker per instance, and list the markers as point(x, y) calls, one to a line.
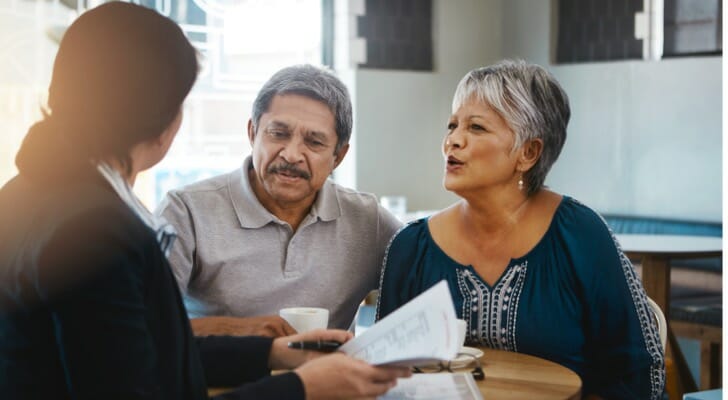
point(318, 135)
point(277, 125)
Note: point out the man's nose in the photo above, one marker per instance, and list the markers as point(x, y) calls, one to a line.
point(292, 151)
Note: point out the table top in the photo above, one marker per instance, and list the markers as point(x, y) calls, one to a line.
point(671, 245)
point(510, 376)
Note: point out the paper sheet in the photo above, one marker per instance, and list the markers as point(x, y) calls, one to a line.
point(418, 333)
point(460, 386)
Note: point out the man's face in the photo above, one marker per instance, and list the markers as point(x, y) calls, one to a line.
point(293, 151)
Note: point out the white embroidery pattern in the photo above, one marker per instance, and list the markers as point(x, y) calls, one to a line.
point(491, 314)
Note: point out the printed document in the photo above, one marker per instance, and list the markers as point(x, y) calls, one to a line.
point(460, 386)
point(421, 332)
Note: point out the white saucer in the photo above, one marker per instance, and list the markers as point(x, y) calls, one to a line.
point(464, 357)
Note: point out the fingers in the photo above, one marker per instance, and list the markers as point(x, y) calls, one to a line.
point(389, 374)
point(326, 334)
point(275, 326)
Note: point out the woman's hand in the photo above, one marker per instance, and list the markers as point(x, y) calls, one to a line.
point(338, 376)
point(281, 357)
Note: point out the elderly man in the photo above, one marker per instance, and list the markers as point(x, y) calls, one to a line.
point(277, 233)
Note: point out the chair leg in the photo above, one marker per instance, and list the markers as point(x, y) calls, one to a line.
point(710, 365)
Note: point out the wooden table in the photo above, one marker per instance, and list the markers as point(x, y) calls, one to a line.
point(655, 253)
point(510, 376)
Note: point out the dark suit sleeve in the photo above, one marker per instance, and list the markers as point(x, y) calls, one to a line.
point(92, 272)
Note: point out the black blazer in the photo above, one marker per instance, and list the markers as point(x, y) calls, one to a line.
point(89, 308)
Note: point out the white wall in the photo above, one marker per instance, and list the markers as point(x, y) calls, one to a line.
point(645, 136)
point(644, 139)
point(400, 116)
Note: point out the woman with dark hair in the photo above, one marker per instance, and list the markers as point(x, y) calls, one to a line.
point(89, 308)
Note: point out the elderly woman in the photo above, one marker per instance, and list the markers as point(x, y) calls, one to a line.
point(530, 270)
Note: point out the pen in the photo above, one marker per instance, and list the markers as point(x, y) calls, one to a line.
point(325, 346)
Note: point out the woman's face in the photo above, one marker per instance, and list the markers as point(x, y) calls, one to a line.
point(478, 150)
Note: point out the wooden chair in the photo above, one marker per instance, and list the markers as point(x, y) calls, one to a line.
point(701, 318)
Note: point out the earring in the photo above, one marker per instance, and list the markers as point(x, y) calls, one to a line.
point(520, 182)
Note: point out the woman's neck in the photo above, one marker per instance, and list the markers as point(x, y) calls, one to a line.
point(119, 167)
point(494, 213)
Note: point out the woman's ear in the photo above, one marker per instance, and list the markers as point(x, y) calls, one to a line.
point(529, 154)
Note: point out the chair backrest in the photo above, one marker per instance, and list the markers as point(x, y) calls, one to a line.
point(661, 322)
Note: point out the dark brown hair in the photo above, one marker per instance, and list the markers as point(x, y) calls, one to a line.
point(120, 76)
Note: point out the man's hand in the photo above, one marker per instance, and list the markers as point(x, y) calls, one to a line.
point(267, 325)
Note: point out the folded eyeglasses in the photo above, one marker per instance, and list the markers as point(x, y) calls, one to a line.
point(477, 372)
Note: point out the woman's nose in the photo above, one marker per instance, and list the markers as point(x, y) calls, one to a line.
point(455, 140)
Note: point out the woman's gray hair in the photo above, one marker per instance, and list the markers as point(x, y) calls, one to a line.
point(314, 82)
point(532, 103)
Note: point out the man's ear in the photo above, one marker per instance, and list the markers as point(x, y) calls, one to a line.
point(530, 152)
point(340, 155)
point(251, 132)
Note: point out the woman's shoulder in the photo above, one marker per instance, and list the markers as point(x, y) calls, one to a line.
point(411, 233)
point(573, 215)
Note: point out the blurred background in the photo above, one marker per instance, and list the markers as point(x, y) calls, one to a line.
point(643, 76)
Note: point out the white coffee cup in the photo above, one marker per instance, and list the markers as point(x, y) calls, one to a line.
point(304, 319)
point(462, 327)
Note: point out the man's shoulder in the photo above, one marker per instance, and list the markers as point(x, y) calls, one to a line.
point(213, 184)
point(354, 198)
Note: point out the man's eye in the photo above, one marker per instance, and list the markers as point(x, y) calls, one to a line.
point(315, 143)
point(278, 134)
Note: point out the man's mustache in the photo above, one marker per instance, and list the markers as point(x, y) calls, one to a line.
point(289, 169)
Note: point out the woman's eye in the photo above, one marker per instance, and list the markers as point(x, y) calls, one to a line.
point(451, 126)
point(477, 127)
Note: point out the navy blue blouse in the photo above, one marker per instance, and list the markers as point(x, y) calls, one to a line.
point(574, 299)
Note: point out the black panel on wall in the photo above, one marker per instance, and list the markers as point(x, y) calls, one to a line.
point(597, 30)
point(398, 34)
point(693, 27)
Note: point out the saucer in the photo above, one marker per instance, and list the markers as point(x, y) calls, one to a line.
point(464, 357)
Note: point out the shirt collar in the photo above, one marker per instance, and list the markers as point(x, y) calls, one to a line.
point(252, 214)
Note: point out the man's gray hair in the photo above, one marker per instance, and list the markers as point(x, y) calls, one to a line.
point(317, 83)
point(532, 103)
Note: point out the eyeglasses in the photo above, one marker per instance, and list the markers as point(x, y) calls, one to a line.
point(477, 372)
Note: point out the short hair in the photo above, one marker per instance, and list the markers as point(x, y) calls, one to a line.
point(317, 83)
point(532, 103)
point(120, 77)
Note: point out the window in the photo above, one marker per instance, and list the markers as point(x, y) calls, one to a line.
point(602, 30)
point(242, 43)
point(693, 27)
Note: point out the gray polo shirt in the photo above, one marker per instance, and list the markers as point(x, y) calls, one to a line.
point(233, 257)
